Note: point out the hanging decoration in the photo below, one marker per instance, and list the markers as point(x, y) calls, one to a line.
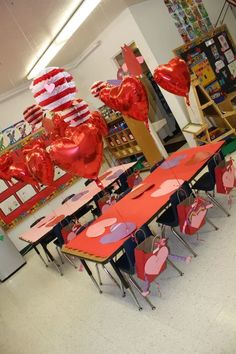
point(77, 114)
point(129, 98)
point(96, 87)
point(81, 154)
point(38, 162)
point(54, 89)
point(33, 115)
point(174, 77)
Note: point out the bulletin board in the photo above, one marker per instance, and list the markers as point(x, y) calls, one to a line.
point(17, 199)
point(212, 58)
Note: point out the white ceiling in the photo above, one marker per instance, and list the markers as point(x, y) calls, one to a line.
point(28, 26)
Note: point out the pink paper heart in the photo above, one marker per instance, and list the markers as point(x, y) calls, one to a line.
point(197, 218)
point(167, 187)
point(155, 262)
point(98, 228)
point(228, 178)
point(49, 87)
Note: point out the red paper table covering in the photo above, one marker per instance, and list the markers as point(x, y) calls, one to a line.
point(141, 210)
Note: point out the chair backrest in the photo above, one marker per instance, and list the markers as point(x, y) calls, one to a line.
point(122, 195)
point(182, 193)
point(37, 221)
point(131, 243)
point(214, 161)
point(67, 198)
point(87, 182)
point(123, 182)
point(154, 167)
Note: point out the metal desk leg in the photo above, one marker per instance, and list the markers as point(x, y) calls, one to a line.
point(125, 284)
point(52, 259)
point(183, 242)
point(39, 254)
point(90, 274)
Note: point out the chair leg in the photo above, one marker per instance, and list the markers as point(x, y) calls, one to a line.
point(176, 268)
point(69, 260)
point(39, 254)
point(140, 291)
point(183, 242)
point(110, 275)
point(50, 257)
point(211, 223)
point(59, 254)
point(98, 273)
point(216, 203)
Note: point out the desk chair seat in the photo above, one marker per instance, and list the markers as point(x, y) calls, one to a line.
point(207, 182)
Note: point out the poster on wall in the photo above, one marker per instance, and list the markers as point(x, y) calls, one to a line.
point(190, 18)
point(212, 58)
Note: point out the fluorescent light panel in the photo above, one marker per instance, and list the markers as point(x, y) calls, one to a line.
point(84, 10)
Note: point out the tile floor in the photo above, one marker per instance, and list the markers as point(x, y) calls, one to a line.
point(42, 312)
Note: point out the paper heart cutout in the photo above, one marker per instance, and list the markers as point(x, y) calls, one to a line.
point(168, 186)
point(200, 156)
point(197, 217)
point(105, 175)
point(155, 262)
point(170, 163)
point(45, 221)
point(79, 195)
point(228, 178)
point(99, 227)
point(49, 87)
point(55, 221)
point(140, 189)
point(118, 232)
point(81, 154)
point(115, 175)
point(130, 98)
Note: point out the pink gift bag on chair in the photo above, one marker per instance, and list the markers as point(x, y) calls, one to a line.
point(225, 177)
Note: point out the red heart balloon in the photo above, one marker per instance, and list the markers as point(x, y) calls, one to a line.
point(5, 161)
point(99, 122)
point(81, 156)
point(39, 164)
point(174, 77)
point(19, 171)
point(130, 98)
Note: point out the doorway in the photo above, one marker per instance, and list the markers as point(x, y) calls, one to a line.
point(164, 121)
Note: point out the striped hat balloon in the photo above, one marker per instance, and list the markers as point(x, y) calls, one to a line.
point(33, 115)
point(97, 87)
point(77, 114)
point(54, 89)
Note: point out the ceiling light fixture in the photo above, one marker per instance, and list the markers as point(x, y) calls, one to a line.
point(69, 28)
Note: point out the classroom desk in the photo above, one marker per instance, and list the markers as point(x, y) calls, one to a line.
point(41, 230)
point(181, 166)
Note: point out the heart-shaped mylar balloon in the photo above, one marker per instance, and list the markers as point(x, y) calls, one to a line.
point(5, 162)
point(81, 154)
point(130, 98)
point(174, 77)
point(19, 171)
point(39, 163)
point(99, 122)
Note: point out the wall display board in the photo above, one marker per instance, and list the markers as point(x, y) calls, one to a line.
point(190, 17)
point(18, 199)
point(212, 58)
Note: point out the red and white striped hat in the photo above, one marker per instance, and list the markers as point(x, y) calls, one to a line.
point(97, 86)
point(77, 114)
point(33, 114)
point(54, 89)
